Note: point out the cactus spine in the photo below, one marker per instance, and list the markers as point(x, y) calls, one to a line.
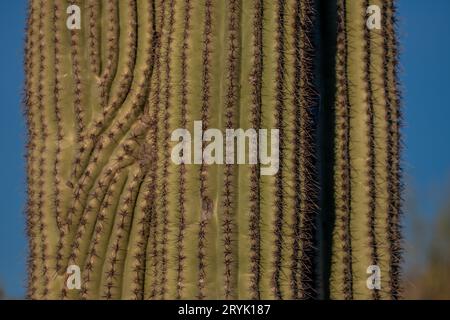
point(104, 195)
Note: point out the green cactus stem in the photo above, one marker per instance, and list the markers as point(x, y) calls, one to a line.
point(102, 102)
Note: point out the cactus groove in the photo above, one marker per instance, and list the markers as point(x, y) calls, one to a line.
point(103, 193)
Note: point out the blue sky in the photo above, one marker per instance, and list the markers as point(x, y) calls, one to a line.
point(12, 137)
point(425, 32)
point(425, 39)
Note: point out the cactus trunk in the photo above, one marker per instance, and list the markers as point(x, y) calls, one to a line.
point(104, 193)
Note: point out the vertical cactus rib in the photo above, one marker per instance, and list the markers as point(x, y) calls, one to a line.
point(192, 92)
point(66, 116)
point(31, 99)
point(135, 264)
point(126, 63)
point(151, 259)
point(110, 47)
point(92, 270)
point(76, 48)
point(287, 138)
point(203, 172)
point(280, 75)
point(181, 258)
point(46, 83)
point(165, 134)
point(394, 117)
point(268, 121)
point(161, 199)
point(360, 144)
point(81, 99)
point(381, 178)
point(41, 161)
point(371, 160)
point(114, 263)
point(152, 276)
point(231, 105)
point(256, 105)
point(152, 263)
point(342, 265)
point(304, 154)
point(296, 285)
point(94, 9)
point(64, 124)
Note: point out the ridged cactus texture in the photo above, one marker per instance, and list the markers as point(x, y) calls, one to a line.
point(104, 195)
point(366, 168)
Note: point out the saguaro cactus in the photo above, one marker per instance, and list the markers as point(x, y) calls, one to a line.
point(105, 196)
